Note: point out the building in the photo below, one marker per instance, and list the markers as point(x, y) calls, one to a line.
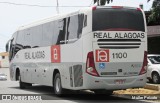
point(154, 39)
point(4, 60)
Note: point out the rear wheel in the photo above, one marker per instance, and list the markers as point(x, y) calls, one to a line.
point(57, 85)
point(104, 92)
point(155, 78)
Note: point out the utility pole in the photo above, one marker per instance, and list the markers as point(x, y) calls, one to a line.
point(57, 8)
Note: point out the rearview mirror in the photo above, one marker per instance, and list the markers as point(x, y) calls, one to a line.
point(7, 45)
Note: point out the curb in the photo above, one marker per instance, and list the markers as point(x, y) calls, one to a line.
point(152, 87)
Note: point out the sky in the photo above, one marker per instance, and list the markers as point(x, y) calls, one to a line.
point(14, 16)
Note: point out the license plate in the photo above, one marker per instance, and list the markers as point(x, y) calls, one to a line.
point(119, 81)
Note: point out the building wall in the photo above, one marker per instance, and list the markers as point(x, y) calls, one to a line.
point(4, 60)
point(154, 39)
point(154, 45)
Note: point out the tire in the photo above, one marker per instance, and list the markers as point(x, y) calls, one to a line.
point(104, 92)
point(58, 90)
point(150, 80)
point(22, 85)
point(17, 76)
point(156, 78)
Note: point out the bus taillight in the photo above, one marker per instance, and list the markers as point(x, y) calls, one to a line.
point(144, 66)
point(94, 8)
point(138, 9)
point(90, 65)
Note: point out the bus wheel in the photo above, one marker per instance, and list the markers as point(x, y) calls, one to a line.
point(57, 85)
point(22, 85)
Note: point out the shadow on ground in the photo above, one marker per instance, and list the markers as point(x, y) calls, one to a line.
point(82, 96)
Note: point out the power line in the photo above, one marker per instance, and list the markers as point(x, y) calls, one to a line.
point(11, 3)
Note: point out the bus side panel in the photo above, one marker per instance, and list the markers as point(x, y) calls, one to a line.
point(71, 65)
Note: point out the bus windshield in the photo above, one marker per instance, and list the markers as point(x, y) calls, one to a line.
point(118, 19)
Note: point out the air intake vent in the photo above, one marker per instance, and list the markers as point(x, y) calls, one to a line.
point(119, 43)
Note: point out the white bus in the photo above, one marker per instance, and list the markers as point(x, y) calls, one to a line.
point(97, 48)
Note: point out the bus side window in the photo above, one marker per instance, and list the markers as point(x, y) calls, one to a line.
point(62, 29)
point(85, 21)
point(27, 39)
point(80, 25)
point(47, 34)
point(72, 29)
point(36, 36)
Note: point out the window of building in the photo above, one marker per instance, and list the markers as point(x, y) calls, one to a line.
point(3, 57)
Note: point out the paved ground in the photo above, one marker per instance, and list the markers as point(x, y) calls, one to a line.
point(12, 87)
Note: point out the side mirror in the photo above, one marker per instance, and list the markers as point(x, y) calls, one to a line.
point(7, 47)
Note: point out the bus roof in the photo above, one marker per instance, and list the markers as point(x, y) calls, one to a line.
point(60, 16)
point(42, 21)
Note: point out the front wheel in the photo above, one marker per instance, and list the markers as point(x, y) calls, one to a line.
point(22, 85)
point(57, 85)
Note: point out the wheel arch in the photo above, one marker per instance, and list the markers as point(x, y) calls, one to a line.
point(154, 72)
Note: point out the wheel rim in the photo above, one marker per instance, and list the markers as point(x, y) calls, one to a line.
point(58, 84)
point(155, 78)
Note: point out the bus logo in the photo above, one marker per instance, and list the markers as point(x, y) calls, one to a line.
point(102, 55)
point(55, 54)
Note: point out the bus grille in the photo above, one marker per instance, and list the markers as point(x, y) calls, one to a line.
point(119, 43)
point(78, 80)
point(76, 76)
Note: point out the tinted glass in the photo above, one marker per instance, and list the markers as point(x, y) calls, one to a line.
point(47, 34)
point(20, 38)
point(61, 30)
point(109, 18)
point(36, 35)
point(154, 59)
point(81, 22)
point(72, 34)
point(27, 38)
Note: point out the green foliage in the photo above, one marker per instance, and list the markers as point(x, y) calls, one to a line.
point(154, 17)
point(102, 2)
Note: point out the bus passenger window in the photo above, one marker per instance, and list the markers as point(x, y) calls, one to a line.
point(80, 25)
point(72, 29)
point(62, 30)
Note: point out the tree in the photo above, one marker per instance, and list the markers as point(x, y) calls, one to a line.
point(102, 2)
point(154, 17)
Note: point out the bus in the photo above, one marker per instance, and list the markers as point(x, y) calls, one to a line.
point(98, 48)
